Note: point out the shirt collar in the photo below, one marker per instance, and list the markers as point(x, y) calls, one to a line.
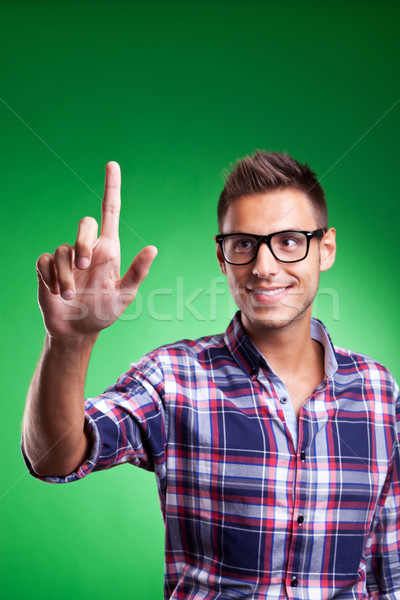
point(320, 333)
point(250, 359)
point(242, 348)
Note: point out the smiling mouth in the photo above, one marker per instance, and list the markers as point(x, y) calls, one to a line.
point(269, 293)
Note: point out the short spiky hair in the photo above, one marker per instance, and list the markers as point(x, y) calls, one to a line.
point(267, 171)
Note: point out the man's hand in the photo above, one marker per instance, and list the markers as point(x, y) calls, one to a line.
point(80, 293)
point(80, 288)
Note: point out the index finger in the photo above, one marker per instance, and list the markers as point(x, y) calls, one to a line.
point(111, 205)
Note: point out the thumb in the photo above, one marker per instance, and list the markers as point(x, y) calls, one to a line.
point(138, 271)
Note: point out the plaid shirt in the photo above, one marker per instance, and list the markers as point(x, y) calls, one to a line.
point(249, 513)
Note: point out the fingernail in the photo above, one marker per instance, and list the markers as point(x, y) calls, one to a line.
point(67, 295)
point(83, 262)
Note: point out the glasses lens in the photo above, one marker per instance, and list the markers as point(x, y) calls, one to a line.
point(289, 246)
point(240, 249)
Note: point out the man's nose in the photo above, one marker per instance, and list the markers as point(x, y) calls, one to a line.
point(265, 263)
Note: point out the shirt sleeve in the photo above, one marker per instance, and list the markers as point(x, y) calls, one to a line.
point(383, 574)
point(126, 424)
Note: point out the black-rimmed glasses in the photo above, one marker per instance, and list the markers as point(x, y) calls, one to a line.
point(286, 246)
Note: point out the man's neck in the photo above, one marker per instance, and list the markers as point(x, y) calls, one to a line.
point(296, 358)
point(289, 350)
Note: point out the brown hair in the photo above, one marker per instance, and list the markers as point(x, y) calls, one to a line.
point(267, 171)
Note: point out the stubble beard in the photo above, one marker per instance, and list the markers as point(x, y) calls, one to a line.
point(262, 317)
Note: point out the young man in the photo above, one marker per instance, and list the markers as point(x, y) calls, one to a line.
point(276, 454)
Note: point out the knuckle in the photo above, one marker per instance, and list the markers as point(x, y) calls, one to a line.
point(88, 221)
point(82, 248)
point(63, 251)
point(64, 279)
point(65, 283)
point(110, 208)
point(44, 260)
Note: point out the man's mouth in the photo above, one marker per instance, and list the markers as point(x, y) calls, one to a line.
point(267, 295)
point(269, 292)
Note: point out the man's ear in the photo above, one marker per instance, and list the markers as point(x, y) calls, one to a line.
point(221, 261)
point(327, 250)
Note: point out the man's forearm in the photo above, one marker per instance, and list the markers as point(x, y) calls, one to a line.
point(53, 429)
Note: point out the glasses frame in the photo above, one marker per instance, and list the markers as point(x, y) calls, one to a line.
point(260, 239)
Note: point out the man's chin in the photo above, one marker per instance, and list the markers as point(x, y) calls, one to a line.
point(272, 324)
point(262, 320)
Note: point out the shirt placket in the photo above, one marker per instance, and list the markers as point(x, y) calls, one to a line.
point(300, 546)
point(294, 585)
point(280, 407)
point(279, 403)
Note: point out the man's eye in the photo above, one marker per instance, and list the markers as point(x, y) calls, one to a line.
point(244, 245)
point(289, 241)
point(292, 240)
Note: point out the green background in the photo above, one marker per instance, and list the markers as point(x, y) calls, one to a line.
point(175, 92)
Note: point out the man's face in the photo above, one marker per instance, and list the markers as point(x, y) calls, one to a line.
point(269, 293)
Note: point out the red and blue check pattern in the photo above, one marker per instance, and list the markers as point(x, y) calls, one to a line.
point(247, 514)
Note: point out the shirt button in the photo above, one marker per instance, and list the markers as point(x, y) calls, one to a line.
point(294, 582)
point(283, 400)
point(300, 519)
point(253, 371)
point(303, 456)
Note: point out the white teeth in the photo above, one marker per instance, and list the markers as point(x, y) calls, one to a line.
point(270, 292)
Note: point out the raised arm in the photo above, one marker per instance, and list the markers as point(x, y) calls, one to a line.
point(80, 293)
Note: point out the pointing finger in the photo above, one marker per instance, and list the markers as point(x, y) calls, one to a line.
point(111, 205)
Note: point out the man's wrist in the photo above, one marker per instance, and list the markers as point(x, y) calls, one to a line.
point(74, 344)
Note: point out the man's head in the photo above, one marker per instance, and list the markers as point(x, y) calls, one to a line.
point(273, 199)
point(269, 171)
